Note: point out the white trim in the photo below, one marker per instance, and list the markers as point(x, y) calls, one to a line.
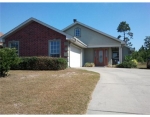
point(120, 54)
point(75, 45)
point(110, 56)
point(69, 53)
point(98, 46)
point(122, 42)
point(38, 21)
point(76, 41)
point(72, 44)
point(49, 48)
point(75, 32)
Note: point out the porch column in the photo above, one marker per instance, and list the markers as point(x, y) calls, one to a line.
point(120, 54)
point(110, 56)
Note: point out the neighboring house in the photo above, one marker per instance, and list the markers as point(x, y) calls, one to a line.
point(78, 43)
point(1, 44)
point(1, 34)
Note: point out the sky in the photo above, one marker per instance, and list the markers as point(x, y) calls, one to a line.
point(104, 16)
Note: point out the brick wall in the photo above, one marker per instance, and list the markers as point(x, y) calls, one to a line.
point(33, 40)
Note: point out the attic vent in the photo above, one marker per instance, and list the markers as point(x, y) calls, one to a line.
point(74, 20)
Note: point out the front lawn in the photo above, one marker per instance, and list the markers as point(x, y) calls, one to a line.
point(47, 92)
point(142, 65)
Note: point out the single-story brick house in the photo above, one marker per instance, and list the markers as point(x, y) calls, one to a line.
point(78, 43)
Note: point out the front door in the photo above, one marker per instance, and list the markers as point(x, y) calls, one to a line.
point(100, 57)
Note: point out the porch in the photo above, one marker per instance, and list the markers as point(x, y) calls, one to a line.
point(103, 56)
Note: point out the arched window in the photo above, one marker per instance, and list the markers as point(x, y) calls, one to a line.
point(77, 32)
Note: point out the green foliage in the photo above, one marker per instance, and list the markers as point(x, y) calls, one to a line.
point(142, 48)
point(135, 62)
point(147, 42)
point(26, 63)
point(128, 58)
point(125, 29)
point(41, 63)
point(89, 65)
point(8, 57)
point(144, 52)
point(134, 54)
point(140, 59)
point(127, 64)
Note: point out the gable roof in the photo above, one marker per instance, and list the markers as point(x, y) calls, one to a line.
point(131, 49)
point(86, 26)
point(68, 37)
point(38, 21)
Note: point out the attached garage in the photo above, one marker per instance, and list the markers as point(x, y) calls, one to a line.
point(75, 56)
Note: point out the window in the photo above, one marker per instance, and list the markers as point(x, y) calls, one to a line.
point(55, 48)
point(77, 32)
point(14, 44)
point(115, 55)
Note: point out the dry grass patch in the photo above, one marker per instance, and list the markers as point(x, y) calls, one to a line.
point(47, 92)
point(142, 65)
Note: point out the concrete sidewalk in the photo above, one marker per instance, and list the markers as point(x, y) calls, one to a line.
point(120, 91)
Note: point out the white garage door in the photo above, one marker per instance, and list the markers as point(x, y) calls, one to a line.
point(75, 56)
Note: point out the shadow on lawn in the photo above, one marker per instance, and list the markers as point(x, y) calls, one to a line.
point(145, 68)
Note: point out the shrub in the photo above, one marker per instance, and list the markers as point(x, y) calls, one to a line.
point(126, 64)
point(135, 61)
point(41, 63)
point(140, 59)
point(27, 63)
point(89, 65)
point(8, 58)
point(128, 58)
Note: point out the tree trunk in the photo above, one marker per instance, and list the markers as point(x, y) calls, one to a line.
point(124, 36)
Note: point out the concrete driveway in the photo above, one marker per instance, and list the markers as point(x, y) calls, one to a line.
point(120, 91)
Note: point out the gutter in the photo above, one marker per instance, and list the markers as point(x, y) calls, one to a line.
point(80, 41)
point(77, 42)
point(122, 42)
point(131, 49)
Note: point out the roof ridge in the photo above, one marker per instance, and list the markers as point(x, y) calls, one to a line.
point(38, 21)
point(94, 29)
